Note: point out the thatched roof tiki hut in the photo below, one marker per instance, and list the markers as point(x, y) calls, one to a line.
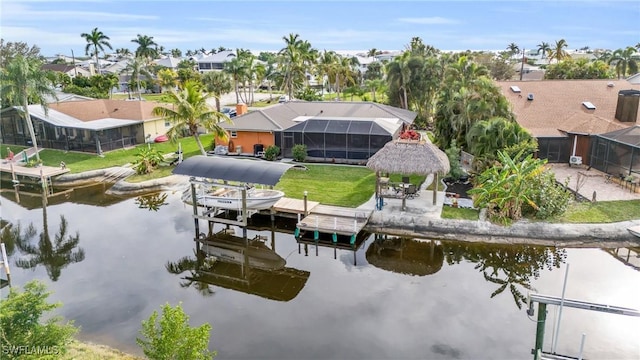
point(409, 157)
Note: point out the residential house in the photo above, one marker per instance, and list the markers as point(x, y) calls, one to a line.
point(564, 114)
point(88, 126)
point(634, 79)
point(70, 70)
point(328, 129)
point(214, 61)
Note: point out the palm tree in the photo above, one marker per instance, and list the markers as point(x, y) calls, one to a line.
point(23, 82)
point(557, 51)
point(235, 68)
point(372, 52)
point(292, 59)
point(196, 266)
point(513, 48)
point(167, 78)
point(543, 48)
point(176, 53)
point(135, 68)
point(399, 74)
point(217, 83)
point(191, 111)
point(123, 53)
point(625, 59)
point(147, 48)
point(98, 40)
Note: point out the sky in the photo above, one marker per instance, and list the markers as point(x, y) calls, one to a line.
point(55, 26)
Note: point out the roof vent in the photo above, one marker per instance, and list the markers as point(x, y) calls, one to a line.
point(530, 97)
point(588, 105)
point(515, 89)
point(610, 84)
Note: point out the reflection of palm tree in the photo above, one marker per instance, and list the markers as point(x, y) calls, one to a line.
point(151, 202)
point(508, 266)
point(194, 265)
point(54, 256)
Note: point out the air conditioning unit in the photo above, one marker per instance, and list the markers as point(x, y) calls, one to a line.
point(575, 160)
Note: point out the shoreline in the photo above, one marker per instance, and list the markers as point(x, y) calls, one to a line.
point(413, 224)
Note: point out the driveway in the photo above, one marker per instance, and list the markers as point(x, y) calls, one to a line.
point(229, 99)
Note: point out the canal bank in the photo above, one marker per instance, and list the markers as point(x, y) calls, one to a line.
point(421, 218)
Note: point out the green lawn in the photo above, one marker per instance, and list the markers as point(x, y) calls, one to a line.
point(449, 212)
point(601, 212)
point(79, 162)
point(147, 97)
point(330, 184)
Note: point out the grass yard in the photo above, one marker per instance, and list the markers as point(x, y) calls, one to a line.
point(449, 212)
point(146, 97)
point(79, 162)
point(330, 184)
point(601, 212)
point(89, 351)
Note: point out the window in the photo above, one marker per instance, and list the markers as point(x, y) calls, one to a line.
point(233, 134)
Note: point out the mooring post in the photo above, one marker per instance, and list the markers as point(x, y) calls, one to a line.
point(305, 204)
point(435, 189)
point(542, 318)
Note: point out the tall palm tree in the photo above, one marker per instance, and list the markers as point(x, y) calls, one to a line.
point(176, 53)
point(98, 40)
point(191, 111)
point(147, 48)
point(625, 59)
point(372, 52)
point(292, 60)
point(399, 73)
point(136, 68)
point(558, 52)
point(543, 48)
point(217, 83)
point(513, 48)
point(235, 68)
point(23, 82)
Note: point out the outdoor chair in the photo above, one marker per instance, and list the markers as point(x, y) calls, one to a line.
point(411, 192)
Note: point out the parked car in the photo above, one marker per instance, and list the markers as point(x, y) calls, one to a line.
point(283, 98)
point(230, 112)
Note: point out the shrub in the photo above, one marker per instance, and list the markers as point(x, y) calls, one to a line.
point(21, 330)
point(299, 152)
point(172, 338)
point(147, 160)
point(453, 153)
point(271, 153)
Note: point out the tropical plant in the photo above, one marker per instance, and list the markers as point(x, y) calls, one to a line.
point(21, 324)
point(299, 152)
point(152, 202)
point(123, 53)
point(98, 40)
point(453, 154)
point(167, 78)
point(147, 159)
point(550, 197)
point(217, 83)
point(271, 152)
point(504, 189)
point(543, 48)
point(147, 48)
point(9, 50)
point(557, 51)
point(513, 49)
point(22, 83)
point(191, 111)
point(136, 68)
point(176, 53)
point(626, 61)
point(171, 336)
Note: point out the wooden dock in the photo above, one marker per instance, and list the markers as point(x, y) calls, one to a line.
point(34, 172)
point(335, 220)
point(294, 206)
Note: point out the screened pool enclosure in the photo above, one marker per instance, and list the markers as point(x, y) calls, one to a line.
point(337, 138)
point(617, 152)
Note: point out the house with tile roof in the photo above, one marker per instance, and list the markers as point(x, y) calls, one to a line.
point(70, 70)
point(88, 126)
point(564, 114)
point(286, 124)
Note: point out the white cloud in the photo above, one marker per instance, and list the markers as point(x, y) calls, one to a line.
point(436, 20)
point(19, 12)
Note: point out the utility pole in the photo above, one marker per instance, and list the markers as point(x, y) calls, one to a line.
point(522, 65)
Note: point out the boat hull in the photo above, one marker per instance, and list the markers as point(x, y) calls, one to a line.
point(257, 199)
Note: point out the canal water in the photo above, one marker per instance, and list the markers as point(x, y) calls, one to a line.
point(113, 261)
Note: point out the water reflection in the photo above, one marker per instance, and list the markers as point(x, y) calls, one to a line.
point(406, 255)
point(30, 195)
point(629, 256)
point(53, 255)
point(508, 266)
point(241, 264)
point(152, 202)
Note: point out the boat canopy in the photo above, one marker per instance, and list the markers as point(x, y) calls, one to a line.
point(230, 169)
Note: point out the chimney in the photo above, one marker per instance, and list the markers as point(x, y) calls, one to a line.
point(241, 109)
point(627, 108)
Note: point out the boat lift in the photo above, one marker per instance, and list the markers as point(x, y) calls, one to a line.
point(544, 300)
